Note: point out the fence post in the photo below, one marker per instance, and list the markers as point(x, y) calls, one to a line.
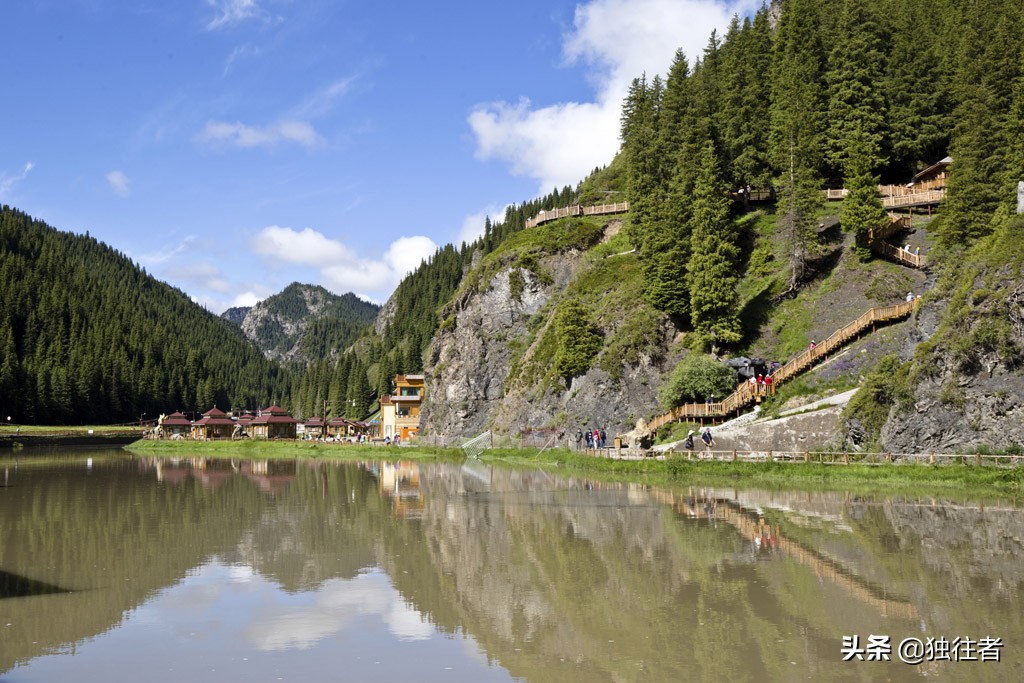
point(771, 456)
point(888, 457)
point(977, 459)
point(734, 455)
point(807, 456)
point(931, 458)
point(846, 458)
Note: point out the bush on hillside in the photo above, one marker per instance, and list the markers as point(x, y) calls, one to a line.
point(696, 378)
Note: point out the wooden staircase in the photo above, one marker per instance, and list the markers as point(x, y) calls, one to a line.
point(746, 394)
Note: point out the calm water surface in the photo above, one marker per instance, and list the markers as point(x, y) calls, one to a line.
point(115, 567)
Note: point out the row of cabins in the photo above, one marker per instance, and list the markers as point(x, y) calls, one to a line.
point(270, 423)
point(399, 419)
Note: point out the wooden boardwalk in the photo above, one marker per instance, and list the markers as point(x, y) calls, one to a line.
point(877, 240)
point(903, 200)
point(577, 210)
point(747, 394)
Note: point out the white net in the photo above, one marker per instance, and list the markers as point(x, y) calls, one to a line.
point(475, 446)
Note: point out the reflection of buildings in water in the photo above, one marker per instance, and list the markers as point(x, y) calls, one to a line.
point(270, 476)
point(400, 482)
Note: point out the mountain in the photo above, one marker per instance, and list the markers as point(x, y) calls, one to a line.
point(304, 322)
point(87, 336)
point(236, 314)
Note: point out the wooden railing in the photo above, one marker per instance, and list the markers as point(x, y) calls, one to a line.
point(877, 239)
point(576, 210)
point(747, 393)
point(922, 198)
point(896, 196)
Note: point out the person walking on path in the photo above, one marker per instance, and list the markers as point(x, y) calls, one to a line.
point(708, 441)
point(688, 445)
point(597, 437)
point(579, 438)
point(604, 438)
point(590, 439)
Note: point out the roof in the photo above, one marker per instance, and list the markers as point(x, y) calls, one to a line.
point(274, 410)
point(215, 412)
point(942, 163)
point(315, 421)
point(274, 419)
point(214, 420)
point(176, 420)
point(385, 400)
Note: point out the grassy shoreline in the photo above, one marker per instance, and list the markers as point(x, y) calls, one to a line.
point(916, 479)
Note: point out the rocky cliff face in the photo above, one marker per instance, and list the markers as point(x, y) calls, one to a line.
point(471, 385)
point(236, 315)
point(967, 387)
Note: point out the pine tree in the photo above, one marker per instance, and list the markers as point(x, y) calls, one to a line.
point(862, 208)
point(578, 339)
point(796, 138)
point(856, 107)
point(712, 266)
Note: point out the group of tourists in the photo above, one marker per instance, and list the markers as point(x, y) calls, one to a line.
point(705, 437)
point(761, 385)
point(594, 438)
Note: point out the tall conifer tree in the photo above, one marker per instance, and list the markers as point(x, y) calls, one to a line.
point(712, 266)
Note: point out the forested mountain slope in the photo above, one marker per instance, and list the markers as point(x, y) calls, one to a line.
point(86, 336)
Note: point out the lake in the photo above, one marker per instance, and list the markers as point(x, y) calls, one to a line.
point(118, 567)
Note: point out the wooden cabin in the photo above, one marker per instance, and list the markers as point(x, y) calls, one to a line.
point(215, 424)
point(174, 426)
point(932, 178)
point(314, 428)
point(273, 423)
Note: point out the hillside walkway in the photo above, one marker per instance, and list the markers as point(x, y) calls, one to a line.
point(747, 394)
point(894, 197)
point(877, 241)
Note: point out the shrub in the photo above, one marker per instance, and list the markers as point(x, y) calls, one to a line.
point(694, 379)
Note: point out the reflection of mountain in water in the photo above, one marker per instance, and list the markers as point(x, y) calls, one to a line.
point(557, 579)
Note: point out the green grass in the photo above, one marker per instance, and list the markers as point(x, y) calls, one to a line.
point(960, 480)
point(61, 430)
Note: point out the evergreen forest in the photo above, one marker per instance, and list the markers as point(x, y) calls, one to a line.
point(798, 97)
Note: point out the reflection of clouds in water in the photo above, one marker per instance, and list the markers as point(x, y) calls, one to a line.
point(240, 573)
point(334, 608)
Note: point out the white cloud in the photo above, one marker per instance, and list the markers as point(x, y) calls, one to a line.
point(118, 182)
point(240, 52)
point(337, 607)
point(340, 268)
point(156, 258)
point(620, 39)
point(230, 12)
point(7, 182)
point(200, 274)
point(322, 101)
point(240, 135)
point(473, 225)
point(305, 247)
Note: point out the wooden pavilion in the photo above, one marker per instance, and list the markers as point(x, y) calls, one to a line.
point(215, 424)
point(273, 423)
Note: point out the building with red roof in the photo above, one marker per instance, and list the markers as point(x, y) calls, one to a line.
point(215, 424)
point(174, 425)
point(273, 423)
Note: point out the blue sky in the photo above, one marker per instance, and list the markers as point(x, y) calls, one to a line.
point(234, 146)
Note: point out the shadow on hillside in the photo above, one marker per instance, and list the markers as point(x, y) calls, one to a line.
point(755, 314)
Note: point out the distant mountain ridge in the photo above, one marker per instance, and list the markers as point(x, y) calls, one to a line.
point(304, 322)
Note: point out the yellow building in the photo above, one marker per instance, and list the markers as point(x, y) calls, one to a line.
point(400, 412)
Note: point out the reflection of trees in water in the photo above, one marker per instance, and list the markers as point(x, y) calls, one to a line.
point(557, 579)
